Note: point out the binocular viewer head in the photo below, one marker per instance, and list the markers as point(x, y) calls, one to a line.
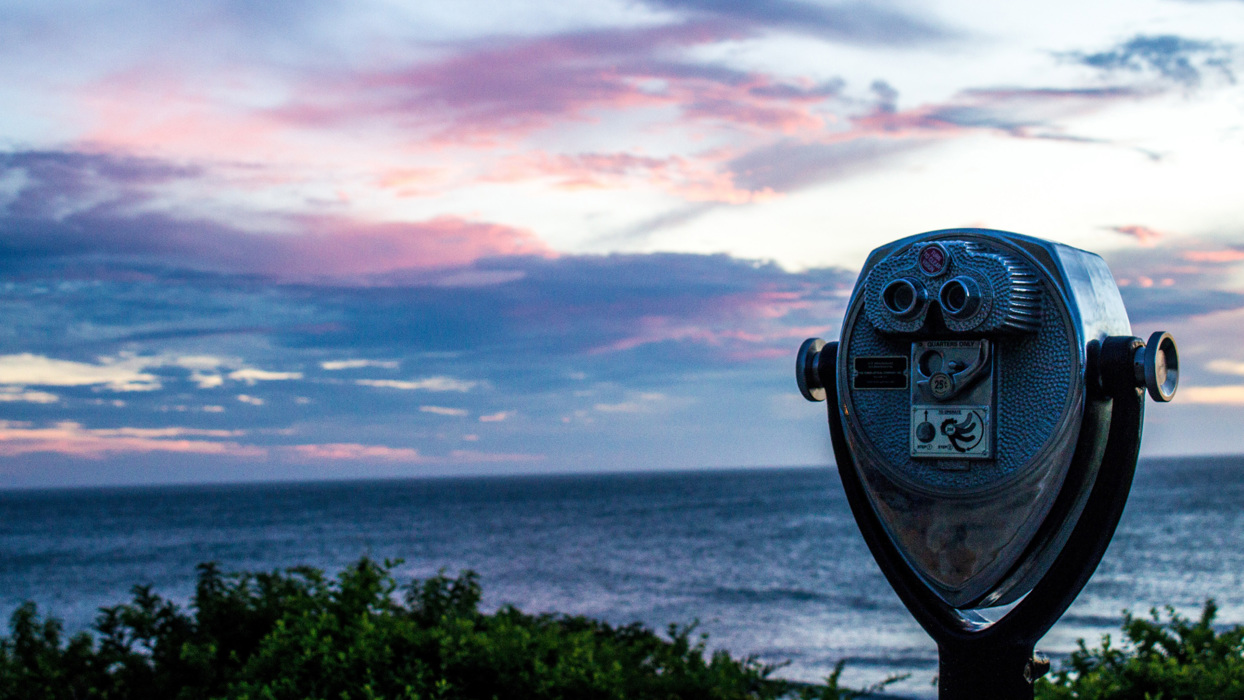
point(970, 367)
point(952, 287)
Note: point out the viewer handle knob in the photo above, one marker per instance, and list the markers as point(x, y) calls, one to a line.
point(1125, 364)
point(1160, 366)
point(807, 369)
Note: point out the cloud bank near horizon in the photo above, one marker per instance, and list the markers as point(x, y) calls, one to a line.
point(391, 238)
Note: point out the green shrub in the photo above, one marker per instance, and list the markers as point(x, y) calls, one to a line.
point(1173, 659)
point(299, 635)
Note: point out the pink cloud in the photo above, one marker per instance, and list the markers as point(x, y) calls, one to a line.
point(1144, 236)
point(1214, 256)
point(340, 247)
point(311, 247)
point(477, 457)
point(658, 329)
point(1230, 395)
point(405, 121)
point(155, 109)
point(741, 327)
point(354, 452)
point(484, 94)
point(403, 125)
point(735, 344)
point(698, 179)
point(74, 440)
point(412, 182)
point(113, 216)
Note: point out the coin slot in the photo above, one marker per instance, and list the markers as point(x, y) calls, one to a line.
point(930, 362)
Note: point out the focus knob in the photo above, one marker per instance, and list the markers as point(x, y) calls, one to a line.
point(1128, 363)
point(807, 369)
point(1160, 366)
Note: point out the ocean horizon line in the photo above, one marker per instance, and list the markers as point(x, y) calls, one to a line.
point(483, 476)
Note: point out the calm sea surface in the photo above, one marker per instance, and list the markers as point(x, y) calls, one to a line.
point(769, 561)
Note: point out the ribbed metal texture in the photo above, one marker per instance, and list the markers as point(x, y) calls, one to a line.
point(1010, 291)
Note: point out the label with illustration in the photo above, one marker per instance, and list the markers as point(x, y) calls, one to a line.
point(950, 431)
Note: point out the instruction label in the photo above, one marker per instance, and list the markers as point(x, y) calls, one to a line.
point(951, 431)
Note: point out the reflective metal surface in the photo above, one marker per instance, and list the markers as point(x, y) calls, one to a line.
point(962, 367)
point(1161, 366)
point(806, 370)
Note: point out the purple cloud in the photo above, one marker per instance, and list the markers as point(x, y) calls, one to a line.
point(510, 87)
point(90, 205)
point(1177, 278)
point(59, 182)
point(856, 22)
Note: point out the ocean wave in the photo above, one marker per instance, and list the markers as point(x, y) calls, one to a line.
point(800, 595)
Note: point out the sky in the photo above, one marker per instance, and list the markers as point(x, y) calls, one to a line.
point(335, 240)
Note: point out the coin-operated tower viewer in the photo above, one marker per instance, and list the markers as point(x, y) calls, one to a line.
point(986, 399)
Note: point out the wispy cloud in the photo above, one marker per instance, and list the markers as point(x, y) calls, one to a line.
point(1226, 367)
point(1229, 255)
point(114, 374)
point(128, 372)
point(251, 375)
point(443, 410)
point(337, 365)
point(666, 307)
point(790, 164)
point(1175, 58)
point(94, 205)
point(1028, 112)
point(636, 402)
point(1228, 395)
point(13, 393)
point(511, 88)
point(1143, 235)
point(70, 438)
point(426, 384)
point(339, 451)
point(1176, 278)
point(355, 452)
point(853, 22)
point(481, 457)
point(73, 440)
point(699, 178)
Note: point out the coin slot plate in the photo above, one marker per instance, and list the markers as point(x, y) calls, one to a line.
point(960, 427)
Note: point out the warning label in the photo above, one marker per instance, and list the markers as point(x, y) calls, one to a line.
point(941, 431)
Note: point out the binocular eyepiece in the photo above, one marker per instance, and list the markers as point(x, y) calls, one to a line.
point(959, 298)
point(902, 298)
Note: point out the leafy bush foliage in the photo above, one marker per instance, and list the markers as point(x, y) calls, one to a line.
point(298, 634)
point(1170, 659)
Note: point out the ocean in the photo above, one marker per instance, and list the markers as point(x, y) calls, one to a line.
point(768, 560)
